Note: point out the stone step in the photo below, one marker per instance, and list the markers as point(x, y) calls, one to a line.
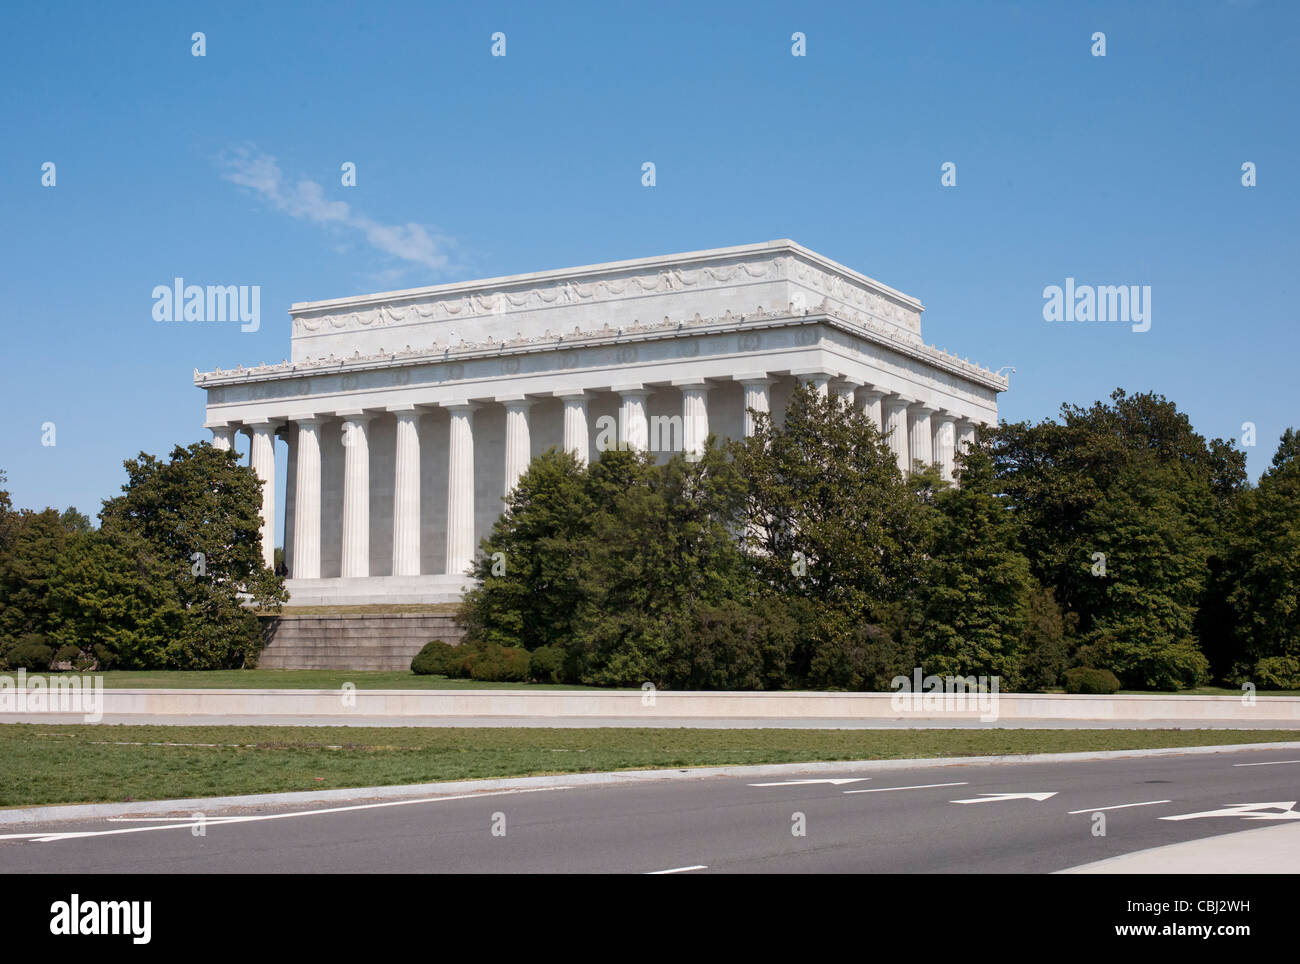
point(370, 641)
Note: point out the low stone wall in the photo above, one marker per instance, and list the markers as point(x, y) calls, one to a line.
point(633, 705)
point(345, 641)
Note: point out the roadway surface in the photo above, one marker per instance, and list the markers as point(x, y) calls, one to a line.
point(968, 818)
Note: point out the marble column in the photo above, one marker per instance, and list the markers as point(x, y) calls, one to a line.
point(518, 444)
point(576, 437)
point(758, 397)
point(355, 561)
point(633, 429)
point(896, 430)
point(871, 400)
point(406, 493)
point(843, 390)
point(261, 458)
point(306, 500)
point(945, 440)
point(920, 434)
point(819, 380)
point(460, 488)
point(290, 433)
point(695, 417)
point(965, 434)
point(223, 437)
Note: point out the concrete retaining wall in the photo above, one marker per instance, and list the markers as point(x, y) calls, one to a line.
point(380, 641)
point(543, 704)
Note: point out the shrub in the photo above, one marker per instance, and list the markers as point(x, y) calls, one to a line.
point(1278, 672)
point(439, 659)
point(546, 664)
point(1085, 679)
point(498, 664)
point(29, 652)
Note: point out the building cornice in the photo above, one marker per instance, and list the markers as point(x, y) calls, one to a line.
point(551, 341)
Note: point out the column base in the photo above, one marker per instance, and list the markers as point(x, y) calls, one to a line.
point(377, 590)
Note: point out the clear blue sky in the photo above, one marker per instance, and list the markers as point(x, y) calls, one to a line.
point(225, 170)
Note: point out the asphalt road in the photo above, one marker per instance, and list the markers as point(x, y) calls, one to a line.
point(900, 821)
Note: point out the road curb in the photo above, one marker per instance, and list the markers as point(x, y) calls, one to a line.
point(66, 812)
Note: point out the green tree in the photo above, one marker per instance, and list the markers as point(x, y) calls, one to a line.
point(1259, 580)
point(199, 514)
point(1119, 508)
point(828, 516)
point(977, 586)
point(529, 568)
point(114, 601)
point(27, 569)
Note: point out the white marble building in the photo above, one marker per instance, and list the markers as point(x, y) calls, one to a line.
point(409, 414)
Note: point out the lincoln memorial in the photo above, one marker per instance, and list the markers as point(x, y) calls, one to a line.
point(407, 416)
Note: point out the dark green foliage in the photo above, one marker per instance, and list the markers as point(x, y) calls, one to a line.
point(161, 584)
point(1257, 584)
point(497, 664)
point(198, 516)
point(1119, 508)
point(1085, 679)
point(28, 651)
point(437, 658)
point(1044, 648)
point(977, 586)
point(738, 646)
point(546, 664)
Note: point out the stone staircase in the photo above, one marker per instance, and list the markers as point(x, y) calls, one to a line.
point(357, 641)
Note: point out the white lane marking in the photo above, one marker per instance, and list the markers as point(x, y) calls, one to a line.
point(998, 797)
point(676, 870)
point(837, 781)
point(923, 786)
point(1247, 811)
point(48, 837)
point(1271, 763)
point(1121, 806)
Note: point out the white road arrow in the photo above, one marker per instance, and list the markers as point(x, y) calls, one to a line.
point(1247, 811)
point(991, 797)
point(798, 783)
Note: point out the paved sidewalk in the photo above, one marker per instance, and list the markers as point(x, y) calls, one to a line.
point(1268, 850)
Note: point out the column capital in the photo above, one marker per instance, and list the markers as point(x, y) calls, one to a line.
point(812, 373)
point(269, 424)
point(921, 409)
point(689, 384)
point(571, 393)
point(898, 398)
point(406, 408)
point(518, 402)
point(355, 415)
point(631, 388)
point(309, 421)
point(460, 406)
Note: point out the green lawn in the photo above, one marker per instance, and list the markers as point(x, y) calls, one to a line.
point(45, 764)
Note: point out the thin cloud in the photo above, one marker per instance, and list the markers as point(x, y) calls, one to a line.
point(305, 200)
